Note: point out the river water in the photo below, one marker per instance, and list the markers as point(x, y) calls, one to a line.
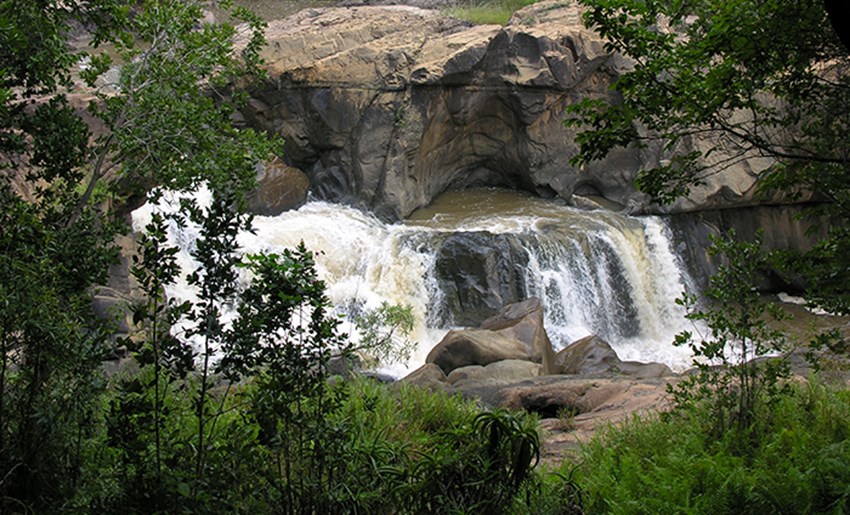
point(596, 272)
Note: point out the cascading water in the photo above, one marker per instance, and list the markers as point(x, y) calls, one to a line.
point(596, 272)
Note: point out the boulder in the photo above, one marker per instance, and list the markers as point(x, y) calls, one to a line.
point(279, 188)
point(524, 321)
point(639, 370)
point(589, 355)
point(429, 377)
point(498, 372)
point(592, 355)
point(460, 348)
point(515, 333)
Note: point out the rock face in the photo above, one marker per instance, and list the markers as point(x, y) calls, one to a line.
point(783, 229)
point(387, 107)
point(479, 272)
point(279, 188)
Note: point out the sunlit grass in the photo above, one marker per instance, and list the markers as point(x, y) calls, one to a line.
point(496, 12)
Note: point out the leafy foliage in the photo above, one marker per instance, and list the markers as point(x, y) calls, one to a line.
point(734, 380)
point(765, 75)
point(675, 466)
point(757, 79)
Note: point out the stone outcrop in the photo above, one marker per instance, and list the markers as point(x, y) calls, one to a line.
point(464, 347)
point(782, 226)
point(387, 107)
point(479, 272)
point(524, 322)
point(508, 361)
point(498, 372)
point(592, 355)
point(573, 409)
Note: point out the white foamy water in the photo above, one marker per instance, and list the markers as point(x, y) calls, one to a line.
point(595, 272)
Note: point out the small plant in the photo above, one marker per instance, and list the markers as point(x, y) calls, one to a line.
point(481, 466)
point(398, 116)
point(566, 419)
point(384, 334)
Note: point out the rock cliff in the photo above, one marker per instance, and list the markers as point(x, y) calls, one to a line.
point(386, 107)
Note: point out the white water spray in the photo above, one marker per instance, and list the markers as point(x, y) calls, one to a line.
point(595, 272)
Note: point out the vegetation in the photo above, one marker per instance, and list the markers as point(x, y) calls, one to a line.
point(230, 417)
point(759, 79)
point(492, 12)
point(676, 465)
point(247, 418)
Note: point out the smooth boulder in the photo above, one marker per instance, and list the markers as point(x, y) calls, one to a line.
point(592, 355)
point(524, 321)
point(464, 347)
point(516, 332)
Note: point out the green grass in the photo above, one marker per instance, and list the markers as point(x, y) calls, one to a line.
point(497, 12)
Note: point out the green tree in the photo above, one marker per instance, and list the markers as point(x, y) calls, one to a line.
point(763, 78)
point(167, 123)
point(51, 347)
point(732, 383)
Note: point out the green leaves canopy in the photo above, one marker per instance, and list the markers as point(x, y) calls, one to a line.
point(762, 78)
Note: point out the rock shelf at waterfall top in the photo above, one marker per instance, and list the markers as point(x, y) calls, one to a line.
point(386, 107)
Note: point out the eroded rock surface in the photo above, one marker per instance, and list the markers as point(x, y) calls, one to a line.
point(279, 188)
point(386, 107)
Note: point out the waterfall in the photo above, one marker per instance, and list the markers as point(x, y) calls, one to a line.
point(596, 272)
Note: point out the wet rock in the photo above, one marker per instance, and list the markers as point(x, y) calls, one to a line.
point(479, 272)
point(279, 188)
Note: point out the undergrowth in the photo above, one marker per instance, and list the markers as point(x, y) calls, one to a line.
point(672, 464)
